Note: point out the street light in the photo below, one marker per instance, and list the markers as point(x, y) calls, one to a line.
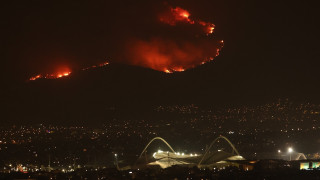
point(290, 151)
point(279, 152)
point(116, 161)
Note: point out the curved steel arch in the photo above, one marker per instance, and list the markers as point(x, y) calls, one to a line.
point(301, 154)
point(220, 137)
point(159, 138)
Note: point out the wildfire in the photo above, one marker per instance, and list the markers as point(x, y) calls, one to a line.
point(63, 72)
point(176, 15)
point(169, 71)
point(186, 15)
point(94, 66)
point(190, 44)
point(35, 77)
point(176, 54)
point(50, 76)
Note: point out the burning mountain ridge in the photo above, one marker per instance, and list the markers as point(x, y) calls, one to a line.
point(175, 41)
point(190, 43)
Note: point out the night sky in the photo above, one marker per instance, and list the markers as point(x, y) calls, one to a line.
point(271, 51)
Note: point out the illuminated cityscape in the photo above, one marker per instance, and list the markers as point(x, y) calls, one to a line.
point(68, 148)
point(161, 89)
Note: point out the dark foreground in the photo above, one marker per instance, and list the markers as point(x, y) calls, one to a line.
point(170, 173)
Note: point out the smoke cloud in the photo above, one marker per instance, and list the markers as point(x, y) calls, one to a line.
point(178, 43)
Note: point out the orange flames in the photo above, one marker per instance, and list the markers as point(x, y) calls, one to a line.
point(94, 66)
point(179, 42)
point(175, 53)
point(63, 72)
point(175, 15)
point(179, 15)
point(170, 56)
point(50, 76)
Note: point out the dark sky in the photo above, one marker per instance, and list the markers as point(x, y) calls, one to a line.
point(271, 47)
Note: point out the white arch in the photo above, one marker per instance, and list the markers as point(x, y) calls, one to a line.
point(220, 137)
point(299, 155)
point(159, 138)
